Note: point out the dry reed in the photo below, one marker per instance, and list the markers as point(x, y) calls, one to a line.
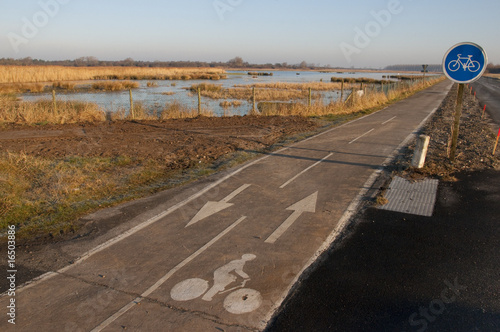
point(14, 111)
point(233, 103)
point(114, 85)
point(318, 86)
point(176, 110)
point(38, 74)
point(371, 100)
point(218, 92)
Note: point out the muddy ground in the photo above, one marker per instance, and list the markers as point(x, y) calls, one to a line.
point(179, 143)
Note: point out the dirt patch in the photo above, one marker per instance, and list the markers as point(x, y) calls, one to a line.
point(178, 143)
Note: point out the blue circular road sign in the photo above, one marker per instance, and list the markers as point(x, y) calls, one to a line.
point(465, 62)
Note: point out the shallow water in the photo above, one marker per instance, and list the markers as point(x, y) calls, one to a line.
point(155, 97)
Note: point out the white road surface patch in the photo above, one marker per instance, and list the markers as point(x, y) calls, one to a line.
point(416, 198)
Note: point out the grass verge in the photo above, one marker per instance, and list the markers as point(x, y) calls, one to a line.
point(45, 197)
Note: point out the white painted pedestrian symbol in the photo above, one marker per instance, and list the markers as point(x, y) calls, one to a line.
point(240, 300)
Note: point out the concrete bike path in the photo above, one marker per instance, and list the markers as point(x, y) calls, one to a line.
point(224, 258)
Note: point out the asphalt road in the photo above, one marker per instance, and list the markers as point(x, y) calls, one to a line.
point(401, 272)
point(488, 93)
point(221, 255)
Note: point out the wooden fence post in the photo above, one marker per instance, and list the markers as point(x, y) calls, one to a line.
point(342, 91)
point(54, 104)
point(131, 104)
point(253, 101)
point(199, 101)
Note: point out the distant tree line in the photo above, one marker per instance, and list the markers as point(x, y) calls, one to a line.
point(90, 61)
point(493, 69)
point(430, 68)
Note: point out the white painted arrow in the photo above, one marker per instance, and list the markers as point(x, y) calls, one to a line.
point(212, 208)
point(306, 205)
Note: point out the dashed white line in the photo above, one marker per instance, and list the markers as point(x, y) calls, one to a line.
point(354, 140)
point(304, 171)
point(389, 120)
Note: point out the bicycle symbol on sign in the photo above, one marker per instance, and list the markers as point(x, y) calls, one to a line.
point(240, 300)
point(465, 62)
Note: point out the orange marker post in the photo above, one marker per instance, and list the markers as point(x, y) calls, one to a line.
point(496, 143)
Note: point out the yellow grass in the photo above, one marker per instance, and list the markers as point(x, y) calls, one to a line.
point(175, 110)
point(37, 74)
point(371, 100)
point(21, 88)
point(114, 85)
point(227, 104)
point(46, 195)
point(245, 93)
point(318, 86)
point(64, 85)
point(492, 75)
point(43, 111)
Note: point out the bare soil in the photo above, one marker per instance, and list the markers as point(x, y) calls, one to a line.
point(179, 143)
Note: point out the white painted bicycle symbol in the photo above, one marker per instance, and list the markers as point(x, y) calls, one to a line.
point(240, 300)
point(464, 62)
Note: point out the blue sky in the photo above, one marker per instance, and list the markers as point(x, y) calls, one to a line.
point(359, 33)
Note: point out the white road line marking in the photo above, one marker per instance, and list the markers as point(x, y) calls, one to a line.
point(304, 171)
point(167, 276)
point(211, 208)
point(308, 204)
point(389, 120)
point(354, 140)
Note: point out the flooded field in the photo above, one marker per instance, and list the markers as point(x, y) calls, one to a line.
point(154, 95)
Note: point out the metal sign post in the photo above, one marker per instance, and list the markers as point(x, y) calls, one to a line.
point(424, 71)
point(463, 63)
